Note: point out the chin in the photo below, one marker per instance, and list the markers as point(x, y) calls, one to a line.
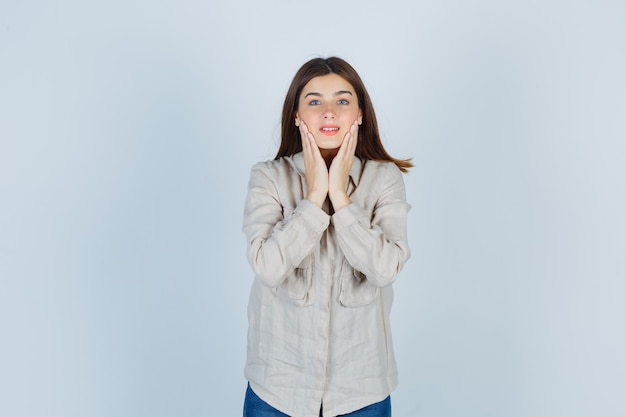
point(327, 144)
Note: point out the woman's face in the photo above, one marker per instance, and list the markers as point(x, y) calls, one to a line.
point(328, 105)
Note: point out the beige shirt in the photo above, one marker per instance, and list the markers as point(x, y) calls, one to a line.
point(319, 307)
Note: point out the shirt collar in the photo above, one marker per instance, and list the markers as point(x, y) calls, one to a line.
point(355, 171)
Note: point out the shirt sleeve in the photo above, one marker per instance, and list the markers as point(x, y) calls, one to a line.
point(375, 243)
point(278, 241)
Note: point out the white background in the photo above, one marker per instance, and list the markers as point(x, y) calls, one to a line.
point(127, 131)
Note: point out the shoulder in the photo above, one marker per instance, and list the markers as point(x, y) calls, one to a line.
point(384, 180)
point(285, 165)
point(383, 171)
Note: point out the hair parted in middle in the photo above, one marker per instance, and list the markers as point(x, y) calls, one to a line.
point(369, 145)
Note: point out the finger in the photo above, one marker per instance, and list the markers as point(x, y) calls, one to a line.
point(309, 146)
point(314, 150)
point(306, 140)
point(303, 131)
point(345, 144)
point(348, 145)
point(354, 136)
point(355, 130)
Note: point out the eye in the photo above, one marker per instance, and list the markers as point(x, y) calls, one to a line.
point(314, 103)
point(343, 101)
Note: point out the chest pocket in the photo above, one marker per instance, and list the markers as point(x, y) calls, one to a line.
point(355, 290)
point(298, 285)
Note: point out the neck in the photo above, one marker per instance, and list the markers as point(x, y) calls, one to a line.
point(328, 155)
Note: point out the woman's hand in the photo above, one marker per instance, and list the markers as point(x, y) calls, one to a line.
point(315, 168)
point(340, 169)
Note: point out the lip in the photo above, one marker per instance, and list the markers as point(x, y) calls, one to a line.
point(329, 130)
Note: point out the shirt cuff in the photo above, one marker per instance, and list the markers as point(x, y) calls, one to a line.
point(314, 216)
point(348, 216)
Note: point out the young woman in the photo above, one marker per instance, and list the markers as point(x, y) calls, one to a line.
point(326, 229)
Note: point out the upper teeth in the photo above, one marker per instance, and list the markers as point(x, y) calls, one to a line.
point(330, 128)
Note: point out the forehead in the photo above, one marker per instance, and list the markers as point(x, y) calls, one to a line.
point(327, 85)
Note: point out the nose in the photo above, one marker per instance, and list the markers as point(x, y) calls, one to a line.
point(329, 113)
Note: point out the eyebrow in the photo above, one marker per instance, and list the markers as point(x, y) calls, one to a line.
point(337, 93)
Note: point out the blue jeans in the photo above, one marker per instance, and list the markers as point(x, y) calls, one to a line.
point(253, 406)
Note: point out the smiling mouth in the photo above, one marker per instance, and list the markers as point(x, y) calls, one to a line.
point(329, 130)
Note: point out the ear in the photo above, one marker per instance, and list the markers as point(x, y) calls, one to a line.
point(297, 120)
point(359, 119)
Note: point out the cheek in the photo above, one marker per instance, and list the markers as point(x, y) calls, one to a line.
point(306, 117)
point(352, 114)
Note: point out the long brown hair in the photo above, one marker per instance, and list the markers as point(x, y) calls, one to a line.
point(369, 146)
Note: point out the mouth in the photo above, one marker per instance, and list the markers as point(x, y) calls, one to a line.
point(329, 130)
